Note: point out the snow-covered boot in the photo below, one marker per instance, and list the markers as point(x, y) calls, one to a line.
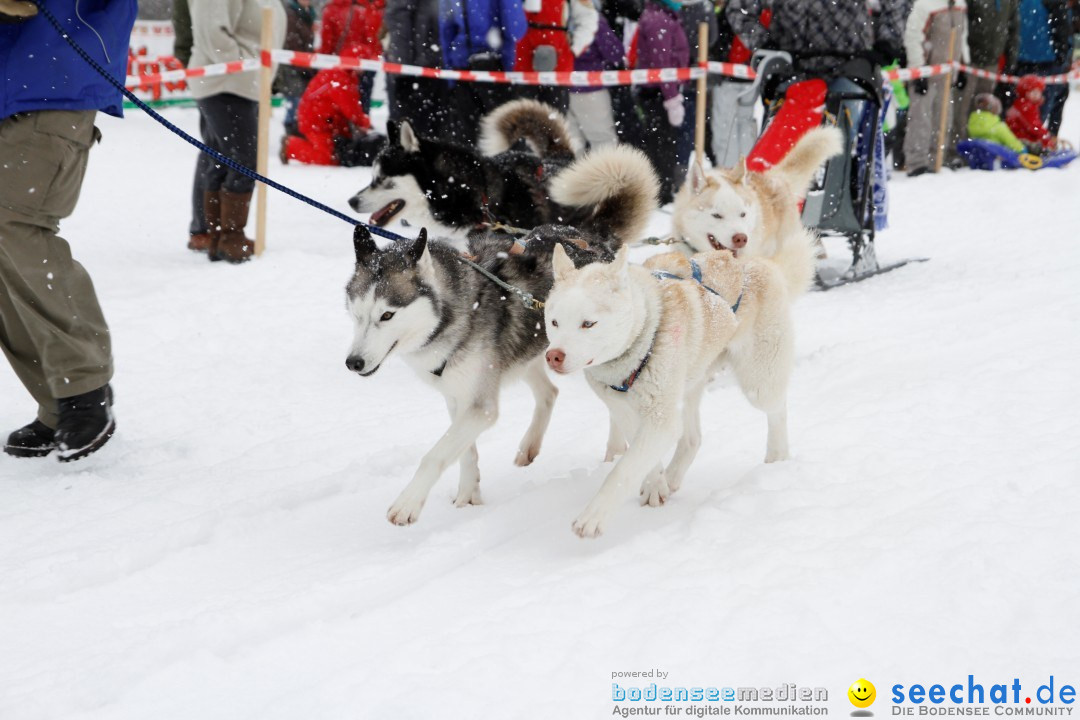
point(232, 245)
point(204, 242)
point(86, 423)
point(34, 440)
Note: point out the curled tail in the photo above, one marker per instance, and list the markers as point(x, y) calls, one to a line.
point(797, 260)
point(612, 191)
point(541, 126)
point(814, 148)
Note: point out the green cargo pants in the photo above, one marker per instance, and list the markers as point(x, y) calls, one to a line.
point(51, 326)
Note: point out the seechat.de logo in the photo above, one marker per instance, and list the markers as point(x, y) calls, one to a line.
point(862, 694)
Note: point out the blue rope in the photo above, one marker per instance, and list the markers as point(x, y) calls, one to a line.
point(228, 162)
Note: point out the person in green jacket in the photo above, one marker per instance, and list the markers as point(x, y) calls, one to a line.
point(986, 123)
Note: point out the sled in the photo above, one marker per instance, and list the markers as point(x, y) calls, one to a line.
point(987, 155)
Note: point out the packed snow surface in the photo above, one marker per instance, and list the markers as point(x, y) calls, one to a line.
point(227, 555)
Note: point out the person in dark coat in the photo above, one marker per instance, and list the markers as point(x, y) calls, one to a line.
point(412, 28)
point(993, 37)
point(291, 81)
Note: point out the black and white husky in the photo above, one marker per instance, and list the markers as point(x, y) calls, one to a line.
point(466, 335)
point(452, 190)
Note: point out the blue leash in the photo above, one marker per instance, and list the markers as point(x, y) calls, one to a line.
point(227, 162)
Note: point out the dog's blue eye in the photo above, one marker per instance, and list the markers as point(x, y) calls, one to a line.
point(386, 316)
point(587, 324)
point(742, 214)
point(554, 323)
point(718, 216)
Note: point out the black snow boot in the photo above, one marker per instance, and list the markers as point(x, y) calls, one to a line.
point(34, 440)
point(86, 423)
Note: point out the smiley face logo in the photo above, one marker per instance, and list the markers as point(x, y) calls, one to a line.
point(862, 693)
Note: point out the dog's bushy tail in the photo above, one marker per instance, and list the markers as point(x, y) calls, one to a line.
point(541, 126)
point(616, 189)
point(814, 148)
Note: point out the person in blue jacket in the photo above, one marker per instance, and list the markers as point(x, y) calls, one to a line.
point(479, 35)
point(1046, 48)
point(52, 329)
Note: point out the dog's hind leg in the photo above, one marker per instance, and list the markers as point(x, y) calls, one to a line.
point(690, 442)
point(763, 374)
point(474, 418)
point(544, 392)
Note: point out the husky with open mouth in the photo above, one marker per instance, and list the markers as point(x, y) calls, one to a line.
point(757, 214)
point(468, 335)
point(452, 190)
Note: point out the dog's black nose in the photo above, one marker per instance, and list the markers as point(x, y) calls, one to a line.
point(355, 363)
point(354, 203)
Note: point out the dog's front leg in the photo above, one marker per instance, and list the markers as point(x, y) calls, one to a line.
point(656, 433)
point(466, 426)
point(469, 468)
point(544, 393)
point(616, 440)
point(690, 441)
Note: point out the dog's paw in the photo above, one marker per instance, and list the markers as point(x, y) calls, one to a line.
point(777, 455)
point(655, 492)
point(590, 524)
point(405, 510)
point(468, 496)
point(526, 454)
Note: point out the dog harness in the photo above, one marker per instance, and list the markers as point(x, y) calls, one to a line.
point(695, 275)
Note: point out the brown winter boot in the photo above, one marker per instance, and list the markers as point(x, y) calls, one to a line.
point(205, 242)
point(232, 245)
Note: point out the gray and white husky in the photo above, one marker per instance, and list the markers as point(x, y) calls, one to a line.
point(464, 334)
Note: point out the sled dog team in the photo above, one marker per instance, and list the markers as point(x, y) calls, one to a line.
point(648, 338)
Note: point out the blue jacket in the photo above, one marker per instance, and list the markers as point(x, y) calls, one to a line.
point(464, 27)
point(40, 71)
point(1036, 42)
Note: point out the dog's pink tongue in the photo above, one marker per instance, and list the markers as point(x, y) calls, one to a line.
point(387, 212)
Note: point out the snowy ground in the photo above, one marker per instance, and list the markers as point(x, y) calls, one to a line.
point(227, 555)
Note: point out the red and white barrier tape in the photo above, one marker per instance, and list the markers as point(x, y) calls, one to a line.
point(604, 78)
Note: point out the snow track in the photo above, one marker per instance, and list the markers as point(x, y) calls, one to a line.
point(227, 554)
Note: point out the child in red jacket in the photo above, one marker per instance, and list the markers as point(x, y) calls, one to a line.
point(330, 108)
point(1024, 118)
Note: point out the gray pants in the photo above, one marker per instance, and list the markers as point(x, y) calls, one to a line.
point(51, 326)
point(924, 121)
point(593, 119)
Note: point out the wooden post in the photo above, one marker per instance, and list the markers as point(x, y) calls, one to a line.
point(702, 95)
point(946, 99)
point(266, 78)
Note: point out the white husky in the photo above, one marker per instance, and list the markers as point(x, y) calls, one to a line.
point(648, 348)
point(757, 214)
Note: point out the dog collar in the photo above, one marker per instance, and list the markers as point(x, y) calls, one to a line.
point(629, 381)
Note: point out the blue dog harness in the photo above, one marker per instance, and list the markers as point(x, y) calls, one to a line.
point(695, 275)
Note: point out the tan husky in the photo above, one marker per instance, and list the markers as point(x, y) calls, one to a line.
point(757, 214)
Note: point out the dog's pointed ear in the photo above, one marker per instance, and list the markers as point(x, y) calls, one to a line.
point(363, 243)
point(618, 265)
point(740, 171)
point(698, 181)
point(561, 264)
point(393, 132)
point(420, 254)
point(408, 139)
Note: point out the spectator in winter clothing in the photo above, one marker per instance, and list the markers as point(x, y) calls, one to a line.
point(930, 29)
point(412, 28)
point(52, 329)
point(181, 20)
point(329, 109)
point(300, 36)
point(479, 35)
point(351, 27)
point(691, 15)
point(590, 107)
point(660, 43)
point(228, 105)
point(993, 37)
point(821, 27)
point(559, 31)
point(1024, 118)
point(1046, 49)
point(986, 123)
